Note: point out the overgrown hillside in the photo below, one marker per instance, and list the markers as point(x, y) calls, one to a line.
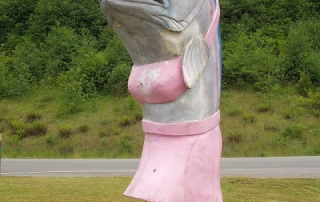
point(63, 80)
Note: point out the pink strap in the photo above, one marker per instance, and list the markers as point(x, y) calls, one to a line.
point(214, 25)
point(181, 128)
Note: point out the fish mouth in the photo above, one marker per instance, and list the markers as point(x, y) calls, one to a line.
point(159, 1)
point(165, 13)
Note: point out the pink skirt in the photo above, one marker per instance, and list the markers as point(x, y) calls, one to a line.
point(180, 162)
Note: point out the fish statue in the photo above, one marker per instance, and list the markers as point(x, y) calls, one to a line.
point(175, 46)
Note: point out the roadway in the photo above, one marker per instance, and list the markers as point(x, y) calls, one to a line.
point(265, 167)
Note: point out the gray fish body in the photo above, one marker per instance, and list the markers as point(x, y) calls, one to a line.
point(154, 31)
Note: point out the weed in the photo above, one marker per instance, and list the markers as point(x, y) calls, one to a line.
point(270, 126)
point(103, 133)
point(125, 144)
point(131, 104)
point(293, 132)
point(234, 111)
point(234, 136)
point(33, 116)
point(37, 129)
point(316, 113)
point(138, 116)
point(65, 131)
point(50, 140)
point(317, 151)
point(18, 128)
point(1, 129)
point(249, 118)
point(314, 99)
point(126, 121)
point(66, 149)
point(264, 107)
point(84, 127)
point(293, 112)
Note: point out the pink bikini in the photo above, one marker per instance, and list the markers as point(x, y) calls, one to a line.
point(162, 82)
point(180, 162)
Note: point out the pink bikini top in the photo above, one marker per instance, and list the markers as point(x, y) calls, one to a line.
point(163, 81)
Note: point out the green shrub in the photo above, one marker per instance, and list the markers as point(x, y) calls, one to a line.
point(71, 96)
point(249, 118)
point(293, 132)
point(37, 129)
point(314, 99)
point(293, 112)
point(304, 85)
point(125, 145)
point(138, 116)
point(84, 127)
point(131, 104)
point(264, 107)
point(18, 128)
point(126, 121)
point(234, 136)
point(33, 116)
point(50, 140)
point(15, 76)
point(118, 80)
point(103, 133)
point(234, 111)
point(65, 131)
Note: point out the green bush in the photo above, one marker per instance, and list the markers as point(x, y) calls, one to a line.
point(74, 14)
point(293, 132)
point(15, 77)
point(18, 128)
point(65, 131)
point(13, 18)
point(118, 80)
point(234, 111)
point(126, 120)
point(33, 116)
point(103, 133)
point(234, 136)
point(50, 140)
point(125, 145)
point(304, 85)
point(314, 99)
point(264, 107)
point(84, 127)
point(37, 129)
point(249, 118)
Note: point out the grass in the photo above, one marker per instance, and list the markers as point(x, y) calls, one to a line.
point(252, 124)
point(111, 189)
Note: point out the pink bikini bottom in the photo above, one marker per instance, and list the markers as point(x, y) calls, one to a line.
point(180, 162)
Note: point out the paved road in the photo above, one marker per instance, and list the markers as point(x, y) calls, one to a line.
point(282, 167)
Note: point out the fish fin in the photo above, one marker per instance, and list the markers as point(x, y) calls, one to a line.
point(195, 59)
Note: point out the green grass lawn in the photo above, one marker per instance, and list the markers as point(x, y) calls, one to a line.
point(252, 125)
point(15, 189)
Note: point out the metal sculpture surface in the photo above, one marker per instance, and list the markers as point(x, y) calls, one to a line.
point(176, 51)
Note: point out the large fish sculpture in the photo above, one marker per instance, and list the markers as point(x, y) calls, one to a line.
point(175, 47)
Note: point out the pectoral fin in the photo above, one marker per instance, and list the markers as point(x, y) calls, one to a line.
point(195, 59)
